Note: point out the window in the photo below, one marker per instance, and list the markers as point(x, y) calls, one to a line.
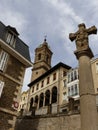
point(64, 73)
point(1, 87)
point(47, 59)
point(71, 76)
point(39, 56)
point(3, 60)
point(68, 78)
point(64, 81)
point(54, 76)
point(97, 67)
point(42, 84)
point(11, 39)
point(37, 87)
point(69, 92)
point(48, 80)
point(75, 74)
point(76, 90)
point(72, 90)
point(32, 89)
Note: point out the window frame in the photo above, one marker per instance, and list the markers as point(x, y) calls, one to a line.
point(11, 39)
point(1, 87)
point(54, 76)
point(4, 56)
point(48, 80)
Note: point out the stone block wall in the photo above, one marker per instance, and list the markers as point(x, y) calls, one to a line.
point(13, 80)
point(49, 122)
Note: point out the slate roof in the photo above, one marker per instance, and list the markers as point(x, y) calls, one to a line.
point(60, 64)
point(20, 46)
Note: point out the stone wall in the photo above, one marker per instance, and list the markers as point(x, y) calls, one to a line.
point(49, 122)
point(13, 79)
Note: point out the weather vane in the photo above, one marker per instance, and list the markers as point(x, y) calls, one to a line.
point(45, 38)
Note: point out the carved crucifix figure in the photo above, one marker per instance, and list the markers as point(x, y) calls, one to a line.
point(81, 36)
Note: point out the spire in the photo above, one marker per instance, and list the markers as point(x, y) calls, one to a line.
point(45, 38)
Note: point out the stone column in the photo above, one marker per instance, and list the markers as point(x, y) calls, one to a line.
point(38, 102)
point(50, 97)
point(86, 88)
point(83, 53)
point(44, 100)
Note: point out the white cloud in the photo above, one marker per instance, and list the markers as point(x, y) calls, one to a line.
point(56, 18)
point(13, 19)
point(65, 9)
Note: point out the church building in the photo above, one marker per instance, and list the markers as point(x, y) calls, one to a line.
point(46, 87)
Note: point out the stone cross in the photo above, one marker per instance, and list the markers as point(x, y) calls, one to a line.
point(81, 36)
point(84, 54)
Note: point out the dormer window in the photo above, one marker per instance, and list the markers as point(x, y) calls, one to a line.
point(11, 39)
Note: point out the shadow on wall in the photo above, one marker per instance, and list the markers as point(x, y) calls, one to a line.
point(26, 123)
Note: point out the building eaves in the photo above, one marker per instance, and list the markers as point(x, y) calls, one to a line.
point(60, 64)
point(20, 46)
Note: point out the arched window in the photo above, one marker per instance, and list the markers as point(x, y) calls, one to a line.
point(36, 101)
point(47, 98)
point(41, 100)
point(54, 94)
point(31, 104)
point(47, 59)
point(39, 56)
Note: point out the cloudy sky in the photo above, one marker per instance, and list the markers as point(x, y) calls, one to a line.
point(34, 19)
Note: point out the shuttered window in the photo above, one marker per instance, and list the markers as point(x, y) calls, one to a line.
point(1, 87)
point(3, 60)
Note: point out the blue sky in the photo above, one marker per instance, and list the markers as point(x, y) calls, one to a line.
point(34, 19)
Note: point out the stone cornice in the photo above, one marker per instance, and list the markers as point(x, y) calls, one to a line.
point(11, 78)
point(8, 111)
point(14, 53)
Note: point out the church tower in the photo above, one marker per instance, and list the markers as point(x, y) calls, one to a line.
point(42, 62)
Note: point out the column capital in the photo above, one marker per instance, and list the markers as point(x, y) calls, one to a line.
point(85, 52)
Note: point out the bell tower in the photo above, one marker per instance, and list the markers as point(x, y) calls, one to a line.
point(42, 62)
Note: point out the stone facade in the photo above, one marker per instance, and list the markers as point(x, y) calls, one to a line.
point(94, 65)
point(12, 69)
point(48, 90)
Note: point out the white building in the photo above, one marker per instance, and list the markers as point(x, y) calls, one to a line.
point(23, 104)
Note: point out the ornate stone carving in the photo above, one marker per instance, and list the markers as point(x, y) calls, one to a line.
point(81, 36)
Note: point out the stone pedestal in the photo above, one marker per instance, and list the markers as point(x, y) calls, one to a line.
point(87, 95)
